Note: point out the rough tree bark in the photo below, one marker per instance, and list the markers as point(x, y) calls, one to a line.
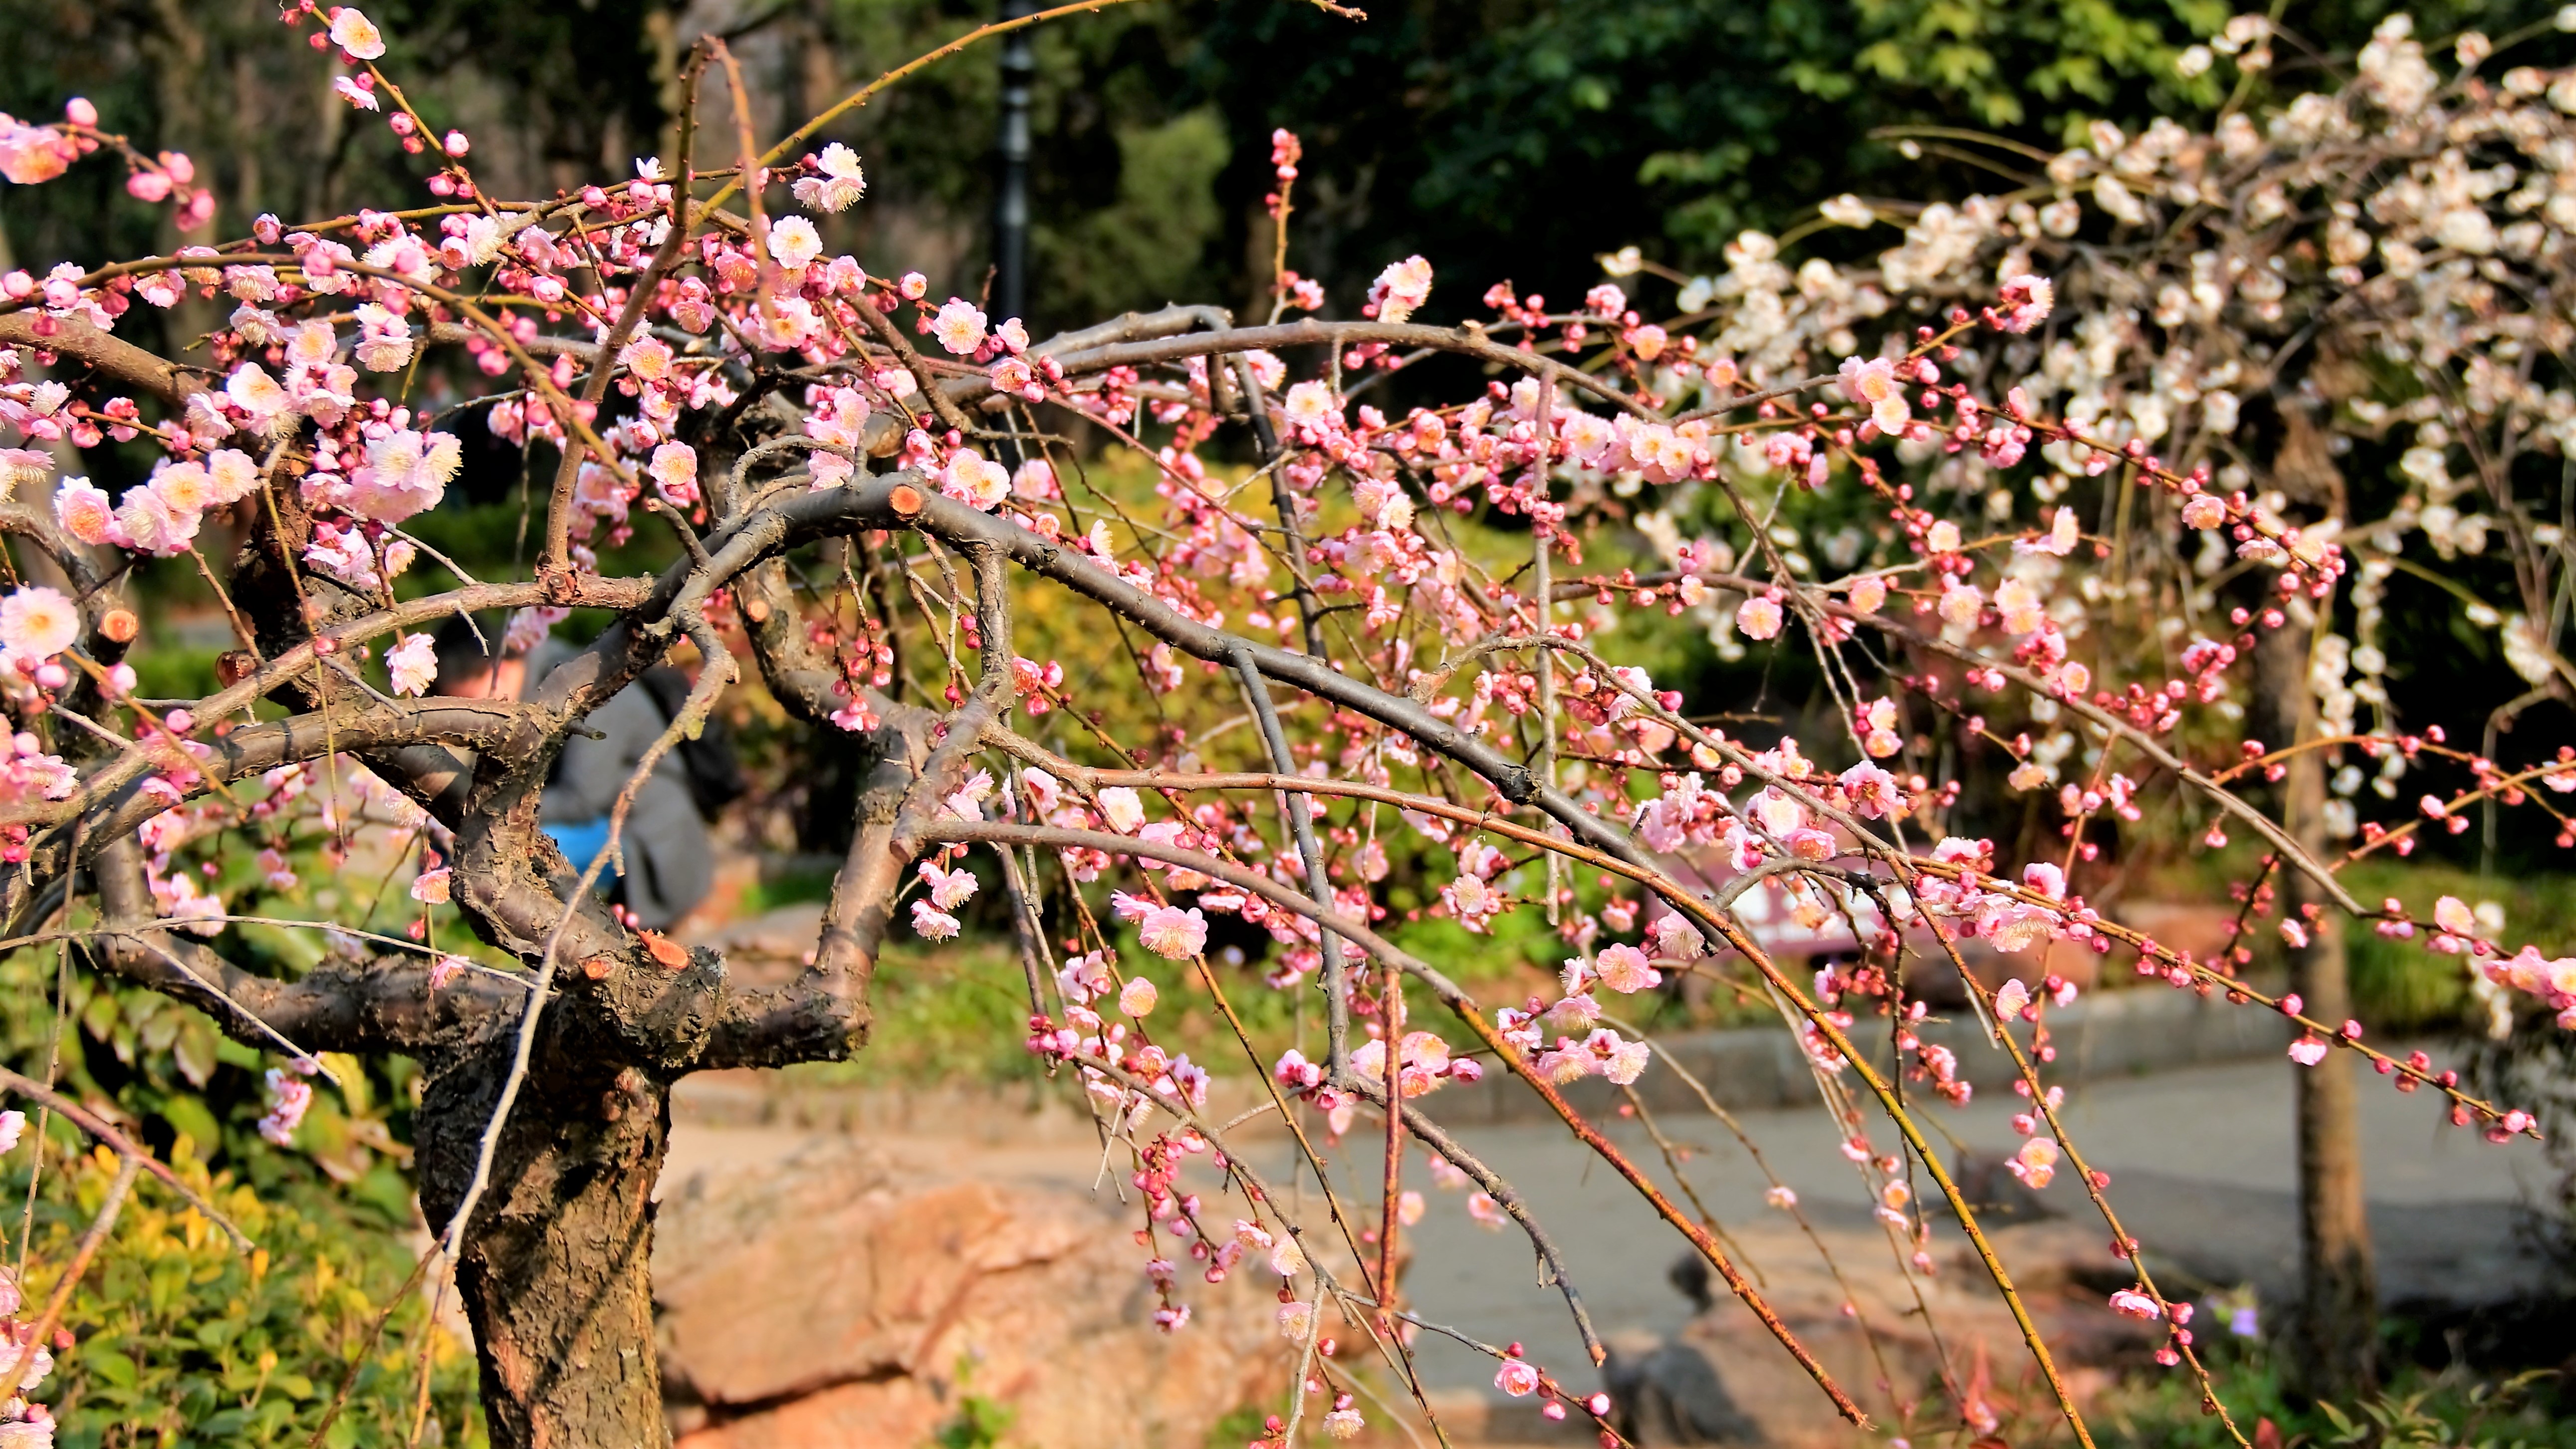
point(553, 1274)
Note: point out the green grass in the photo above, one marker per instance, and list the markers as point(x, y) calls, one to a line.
point(2420, 1408)
point(2400, 986)
point(796, 885)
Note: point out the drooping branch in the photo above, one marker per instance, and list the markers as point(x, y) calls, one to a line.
point(2147, 744)
point(1460, 1003)
point(1301, 823)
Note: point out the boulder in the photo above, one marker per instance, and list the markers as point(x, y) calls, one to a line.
point(1723, 1379)
point(837, 1300)
point(1666, 1392)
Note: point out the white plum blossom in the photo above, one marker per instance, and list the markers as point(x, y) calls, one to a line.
point(794, 243)
point(413, 663)
point(840, 181)
point(405, 473)
point(1124, 812)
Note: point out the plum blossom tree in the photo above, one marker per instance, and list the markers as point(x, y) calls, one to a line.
point(2167, 327)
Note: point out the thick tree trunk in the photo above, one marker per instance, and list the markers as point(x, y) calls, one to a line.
point(2333, 1334)
point(555, 1265)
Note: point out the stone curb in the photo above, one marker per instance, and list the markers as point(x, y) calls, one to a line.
point(2102, 1034)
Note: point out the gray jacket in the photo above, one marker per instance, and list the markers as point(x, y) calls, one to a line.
point(670, 862)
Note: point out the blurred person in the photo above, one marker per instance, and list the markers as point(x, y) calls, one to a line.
point(670, 860)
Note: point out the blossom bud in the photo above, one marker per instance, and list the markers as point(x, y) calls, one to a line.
point(455, 144)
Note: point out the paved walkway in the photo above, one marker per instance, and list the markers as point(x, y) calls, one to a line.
point(2202, 1161)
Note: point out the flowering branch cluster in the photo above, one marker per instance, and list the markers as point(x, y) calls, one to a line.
point(2193, 329)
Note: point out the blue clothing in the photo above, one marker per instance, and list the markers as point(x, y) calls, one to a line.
point(670, 863)
point(581, 842)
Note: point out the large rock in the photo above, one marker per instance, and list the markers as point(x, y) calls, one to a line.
point(1724, 1380)
point(836, 1300)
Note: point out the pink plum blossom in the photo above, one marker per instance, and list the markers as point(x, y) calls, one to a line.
point(1120, 807)
point(933, 923)
point(289, 1099)
point(1173, 932)
point(674, 470)
point(1401, 288)
point(2027, 300)
point(1759, 616)
point(794, 243)
point(2036, 1163)
point(1873, 384)
point(959, 326)
point(949, 889)
point(37, 623)
point(1137, 997)
point(1626, 970)
point(356, 35)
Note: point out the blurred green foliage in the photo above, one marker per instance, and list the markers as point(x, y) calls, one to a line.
point(2398, 986)
point(183, 1339)
point(2452, 1407)
point(1515, 138)
point(180, 1338)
